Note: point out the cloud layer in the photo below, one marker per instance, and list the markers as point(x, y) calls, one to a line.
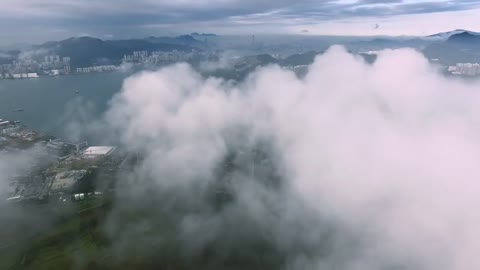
point(354, 166)
point(188, 8)
point(55, 19)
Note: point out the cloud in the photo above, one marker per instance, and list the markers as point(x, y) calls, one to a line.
point(353, 166)
point(125, 18)
point(14, 164)
point(33, 53)
point(5, 55)
point(19, 222)
point(212, 10)
point(222, 7)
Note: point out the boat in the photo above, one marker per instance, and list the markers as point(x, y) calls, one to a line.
point(18, 110)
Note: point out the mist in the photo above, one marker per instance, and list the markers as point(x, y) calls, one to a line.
point(18, 223)
point(354, 166)
point(19, 163)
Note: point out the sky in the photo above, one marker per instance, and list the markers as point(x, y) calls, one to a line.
point(27, 21)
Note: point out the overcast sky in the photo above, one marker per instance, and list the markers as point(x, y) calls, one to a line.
point(40, 20)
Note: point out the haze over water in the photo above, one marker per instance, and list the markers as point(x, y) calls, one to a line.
point(51, 102)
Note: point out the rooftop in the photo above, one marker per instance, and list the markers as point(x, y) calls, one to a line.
point(95, 151)
point(66, 180)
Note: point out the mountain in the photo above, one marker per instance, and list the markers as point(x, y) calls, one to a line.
point(462, 47)
point(300, 59)
point(251, 62)
point(447, 35)
point(203, 35)
point(88, 51)
point(242, 66)
point(466, 39)
point(382, 43)
point(186, 40)
point(369, 57)
point(305, 59)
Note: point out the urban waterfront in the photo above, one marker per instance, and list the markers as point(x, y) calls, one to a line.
point(48, 104)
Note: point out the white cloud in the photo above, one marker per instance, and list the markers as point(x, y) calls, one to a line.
point(17, 163)
point(388, 152)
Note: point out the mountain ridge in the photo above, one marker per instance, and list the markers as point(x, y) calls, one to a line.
point(88, 51)
point(461, 47)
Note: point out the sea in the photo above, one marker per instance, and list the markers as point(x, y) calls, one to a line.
point(51, 104)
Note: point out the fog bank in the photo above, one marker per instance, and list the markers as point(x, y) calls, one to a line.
point(354, 166)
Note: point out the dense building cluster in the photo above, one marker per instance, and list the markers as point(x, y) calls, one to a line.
point(49, 65)
point(165, 57)
point(466, 69)
point(49, 168)
point(143, 57)
point(103, 68)
point(25, 68)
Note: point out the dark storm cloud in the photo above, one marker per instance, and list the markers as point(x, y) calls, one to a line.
point(412, 8)
point(126, 18)
point(137, 13)
point(378, 1)
point(375, 8)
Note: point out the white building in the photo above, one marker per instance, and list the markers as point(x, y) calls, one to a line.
point(32, 75)
point(98, 151)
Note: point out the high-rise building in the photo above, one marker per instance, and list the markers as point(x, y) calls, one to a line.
point(67, 69)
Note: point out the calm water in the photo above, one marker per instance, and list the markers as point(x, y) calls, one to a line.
point(51, 102)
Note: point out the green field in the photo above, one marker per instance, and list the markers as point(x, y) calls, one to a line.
point(71, 241)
